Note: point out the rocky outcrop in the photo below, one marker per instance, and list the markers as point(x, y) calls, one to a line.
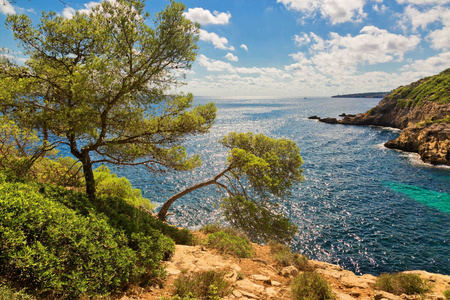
point(421, 110)
point(432, 142)
point(261, 278)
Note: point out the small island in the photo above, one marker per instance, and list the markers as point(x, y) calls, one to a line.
point(363, 95)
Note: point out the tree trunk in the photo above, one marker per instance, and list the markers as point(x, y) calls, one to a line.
point(88, 175)
point(165, 208)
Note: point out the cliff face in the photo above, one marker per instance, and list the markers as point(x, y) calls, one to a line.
point(422, 110)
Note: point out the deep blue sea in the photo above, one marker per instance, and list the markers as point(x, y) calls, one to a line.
point(362, 206)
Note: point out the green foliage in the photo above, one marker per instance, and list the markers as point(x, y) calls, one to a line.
point(285, 257)
point(9, 293)
point(209, 285)
point(19, 148)
point(311, 286)
point(447, 295)
point(402, 283)
point(267, 168)
point(98, 82)
point(56, 244)
point(211, 228)
point(259, 220)
point(109, 184)
point(230, 243)
point(434, 88)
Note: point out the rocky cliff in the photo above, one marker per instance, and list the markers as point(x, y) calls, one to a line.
point(421, 110)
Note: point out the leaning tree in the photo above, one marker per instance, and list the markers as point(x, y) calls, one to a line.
point(102, 83)
point(259, 173)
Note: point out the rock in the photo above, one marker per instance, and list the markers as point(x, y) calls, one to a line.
point(275, 283)
point(272, 292)
point(263, 278)
point(289, 271)
point(313, 117)
point(237, 294)
point(432, 142)
point(329, 120)
point(246, 285)
point(381, 295)
point(249, 295)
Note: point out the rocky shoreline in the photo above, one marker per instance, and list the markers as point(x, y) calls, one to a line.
point(425, 125)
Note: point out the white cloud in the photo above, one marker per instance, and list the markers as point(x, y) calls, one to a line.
point(217, 41)
point(338, 11)
point(380, 8)
point(420, 19)
point(423, 2)
point(213, 65)
point(431, 65)
point(68, 12)
point(344, 54)
point(440, 39)
point(303, 39)
point(205, 17)
point(243, 46)
point(231, 57)
point(6, 8)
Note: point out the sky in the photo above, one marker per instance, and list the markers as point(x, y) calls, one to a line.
point(295, 48)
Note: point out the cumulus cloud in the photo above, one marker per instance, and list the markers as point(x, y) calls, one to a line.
point(338, 11)
point(205, 17)
point(421, 19)
point(69, 12)
point(423, 2)
point(231, 57)
point(243, 46)
point(217, 41)
point(343, 54)
point(6, 8)
point(213, 65)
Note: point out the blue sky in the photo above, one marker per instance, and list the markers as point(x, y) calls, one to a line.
point(297, 48)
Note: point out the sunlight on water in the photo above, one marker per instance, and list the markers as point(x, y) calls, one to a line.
point(345, 213)
point(433, 199)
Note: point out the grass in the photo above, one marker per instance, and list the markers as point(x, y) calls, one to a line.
point(311, 286)
point(285, 257)
point(447, 295)
point(402, 283)
point(202, 285)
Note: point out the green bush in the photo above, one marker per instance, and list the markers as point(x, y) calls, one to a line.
point(311, 286)
point(229, 243)
point(58, 252)
point(203, 285)
point(402, 283)
point(447, 295)
point(109, 184)
point(284, 256)
point(9, 293)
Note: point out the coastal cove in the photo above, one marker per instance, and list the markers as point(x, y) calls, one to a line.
point(355, 207)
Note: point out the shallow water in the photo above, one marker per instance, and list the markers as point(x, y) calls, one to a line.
point(362, 206)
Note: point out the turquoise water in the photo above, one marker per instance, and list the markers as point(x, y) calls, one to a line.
point(362, 206)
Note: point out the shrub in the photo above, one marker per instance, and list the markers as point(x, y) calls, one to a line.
point(203, 285)
point(109, 184)
point(211, 228)
point(58, 252)
point(9, 293)
point(284, 256)
point(311, 286)
point(229, 243)
point(447, 295)
point(402, 283)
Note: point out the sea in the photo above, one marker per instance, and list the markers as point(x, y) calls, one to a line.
point(362, 206)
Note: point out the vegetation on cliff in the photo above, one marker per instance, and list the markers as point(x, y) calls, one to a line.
point(434, 88)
